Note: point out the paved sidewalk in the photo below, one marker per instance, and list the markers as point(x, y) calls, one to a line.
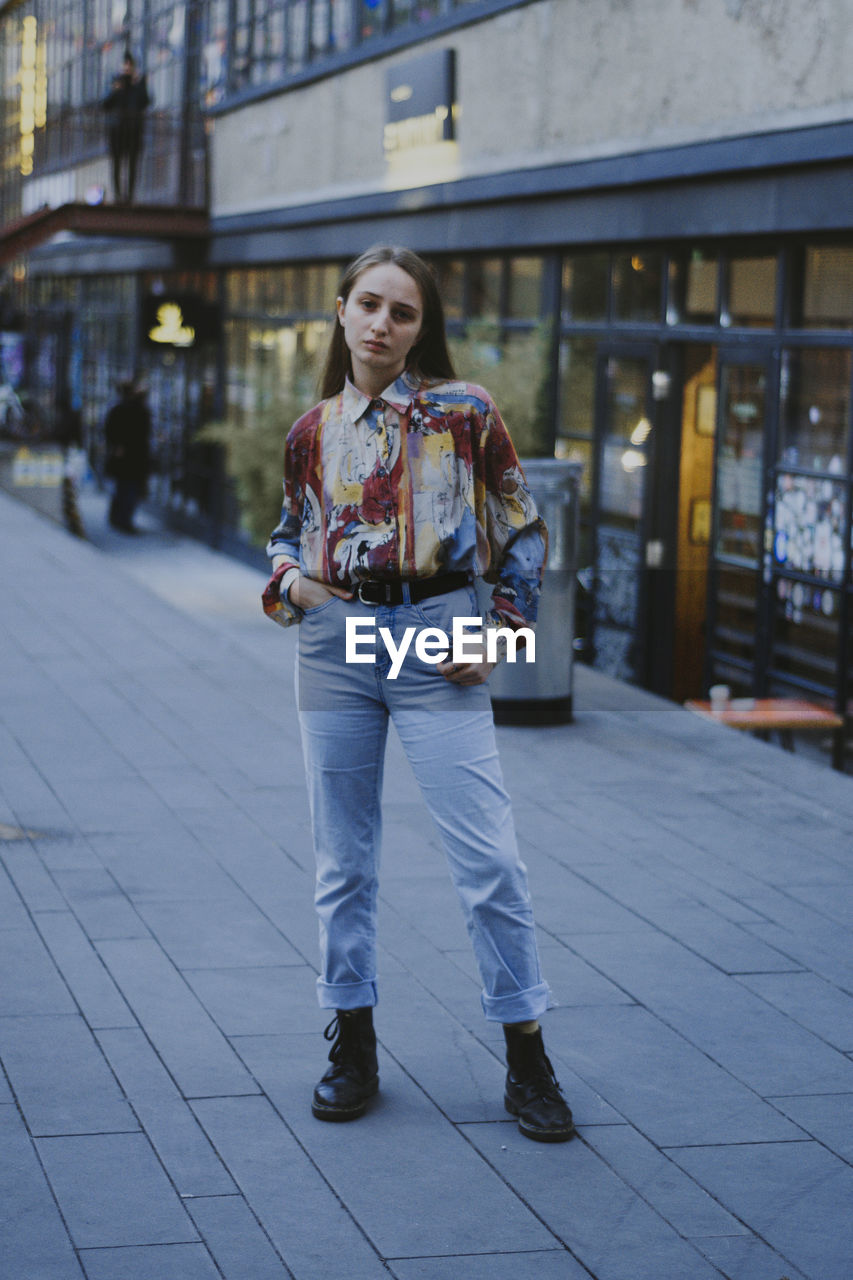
point(158, 1030)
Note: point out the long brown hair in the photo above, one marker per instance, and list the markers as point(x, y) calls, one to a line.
point(429, 357)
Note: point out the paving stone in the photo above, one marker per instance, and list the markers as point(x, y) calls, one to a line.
point(13, 913)
point(827, 1117)
point(747, 1258)
point(669, 1090)
point(605, 1224)
point(164, 1261)
point(192, 1047)
point(556, 1264)
point(67, 853)
point(101, 905)
point(173, 1130)
point(112, 1191)
point(220, 934)
point(833, 900)
point(795, 1195)
point(403, 1171)
point(31, 982)
point(285, 1190)
point(809, 1000)
point(756, 1043)
point(35, 1242)
point(60, 1078)
point(97, 995)
point(246, 1002)
point(161, 863)
point(27, 871)
point(677, 1198)
point(236, 1240)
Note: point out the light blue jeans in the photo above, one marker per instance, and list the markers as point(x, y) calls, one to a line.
point(447, 732)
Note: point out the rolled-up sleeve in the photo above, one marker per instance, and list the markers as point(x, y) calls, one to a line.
point(518, 538)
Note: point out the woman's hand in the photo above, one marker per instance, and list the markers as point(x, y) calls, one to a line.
point(307, 593)
point(474, 672)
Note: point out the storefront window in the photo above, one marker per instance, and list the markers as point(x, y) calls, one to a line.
point(751, 293)
point(814, 426)
point(524, 290)
point(450, 274)
point(637, 285)
point(805, 632)
point(809, 526)
point(693, 289)
point(576, 413)
point(484, 288)
point(827, 287)
point(585, 277)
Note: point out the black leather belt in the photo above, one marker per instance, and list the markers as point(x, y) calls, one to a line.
point(391, 593)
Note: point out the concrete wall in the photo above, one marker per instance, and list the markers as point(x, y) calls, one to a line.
point(553, 81)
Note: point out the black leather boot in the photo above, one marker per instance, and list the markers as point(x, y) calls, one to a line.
point(353, 1078)
point(532, 1091)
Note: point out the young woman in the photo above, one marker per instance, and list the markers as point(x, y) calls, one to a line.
point(400, 487)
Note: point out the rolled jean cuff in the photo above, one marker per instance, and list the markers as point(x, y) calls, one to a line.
point(346, 995)
point(521, 1006)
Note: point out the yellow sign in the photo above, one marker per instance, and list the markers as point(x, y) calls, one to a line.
point(170, 327)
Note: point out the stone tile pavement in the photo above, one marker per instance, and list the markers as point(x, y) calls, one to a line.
point(158, 1032)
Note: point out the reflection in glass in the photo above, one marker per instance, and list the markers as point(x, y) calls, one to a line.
point(638, 285)
point(808, 532)
point(524, 290)
point(815, 408)
point(805, 632)
point(751, 293)
point(693, 289)
point(484, 284)
point(828, 287)
point(739, 479)
point(585, 287)
point(734, 623)
point(576, 410)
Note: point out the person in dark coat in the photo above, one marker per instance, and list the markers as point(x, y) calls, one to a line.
point(128, 462)
point(125, 106)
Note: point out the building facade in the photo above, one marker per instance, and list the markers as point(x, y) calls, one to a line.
point(642, 218)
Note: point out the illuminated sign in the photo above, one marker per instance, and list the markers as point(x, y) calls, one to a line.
point(179, 320)
point(420, 107)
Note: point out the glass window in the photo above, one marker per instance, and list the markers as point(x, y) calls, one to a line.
point(484, 288)
point(828, 287)
point(524, 291)
point(751, 293)
point(450, 278)
point(577, 386)
point(514, 369)
point(585, 287)
point(693, 289)
point(637, 285)
point(805, 632)
point(808, 530)
point(739, 486)
point(815, 409)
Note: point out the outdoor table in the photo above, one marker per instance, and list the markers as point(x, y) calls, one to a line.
point(776, 715)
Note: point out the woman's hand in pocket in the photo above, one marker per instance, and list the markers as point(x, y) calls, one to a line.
point(307, 593)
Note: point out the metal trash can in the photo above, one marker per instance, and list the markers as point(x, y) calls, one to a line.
point(540, 692)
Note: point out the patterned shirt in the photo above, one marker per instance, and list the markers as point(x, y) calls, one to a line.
point(419, 481)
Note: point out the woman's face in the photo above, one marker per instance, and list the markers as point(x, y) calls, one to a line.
point(382, 319)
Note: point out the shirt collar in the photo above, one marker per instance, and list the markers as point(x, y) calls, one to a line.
point(399, 394)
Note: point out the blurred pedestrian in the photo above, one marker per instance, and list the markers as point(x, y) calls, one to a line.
point(399, 488)
point(125, 105)
point(127, 434)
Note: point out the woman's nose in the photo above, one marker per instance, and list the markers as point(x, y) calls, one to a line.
point(380, 320)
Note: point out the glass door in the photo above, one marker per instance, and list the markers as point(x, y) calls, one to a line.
point(737, 551)
point(625, 418)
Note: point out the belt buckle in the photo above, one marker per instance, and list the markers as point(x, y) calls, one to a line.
point(364, 599)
